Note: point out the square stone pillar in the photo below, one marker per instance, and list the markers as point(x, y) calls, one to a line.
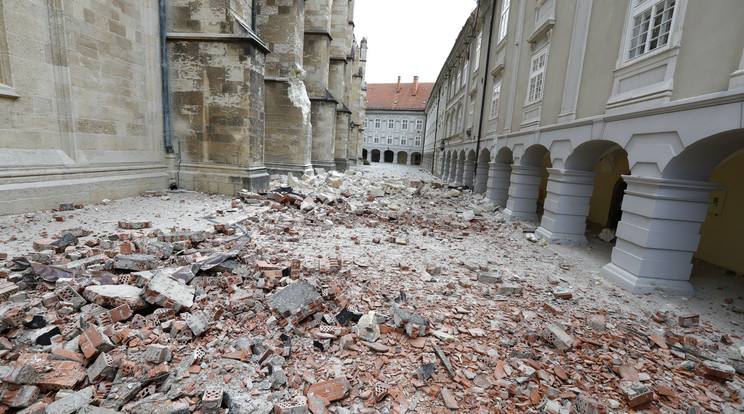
point(459, 169)
point(658, 234)
point(523, 192)
point(566, 206)
point(468, 172)
point(498, 183)
point(445, 169)
point(452, 171)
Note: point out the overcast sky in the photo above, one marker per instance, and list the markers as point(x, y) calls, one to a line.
point(408, 37)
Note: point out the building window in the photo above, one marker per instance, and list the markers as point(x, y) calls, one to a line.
point(419, 124)
point(417, 142)
point(365, 138)
point(366, 122)
point(6, 89)
point(390, 140)
point(650, 26)
point(476, 59)
point(403, 140)
point(495, 99)
point(378, 123)
point(391, 124)
point(404, 125)
point(467, 70)
point(459, 79)
point(377, 138)
point(537, 76)
point(504, 20)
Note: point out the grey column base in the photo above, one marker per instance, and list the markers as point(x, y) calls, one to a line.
point(642, 285)
point(519, 215)
point(561, 238)
point(281, 168)
point(342, 164)
point(327, 165)
point(222, 179)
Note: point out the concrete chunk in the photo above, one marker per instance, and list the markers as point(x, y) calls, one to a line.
point(72, 403)
point(135, 262)
point(167, 292)
point(300, 299)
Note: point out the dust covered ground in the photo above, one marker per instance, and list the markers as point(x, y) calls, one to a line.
point(378, 290)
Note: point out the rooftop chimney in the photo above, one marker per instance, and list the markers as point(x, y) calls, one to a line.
point(398, 88)
point(415, 85)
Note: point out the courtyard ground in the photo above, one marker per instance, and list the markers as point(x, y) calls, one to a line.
point(377, 290)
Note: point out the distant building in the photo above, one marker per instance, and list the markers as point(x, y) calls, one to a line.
point(395, 122)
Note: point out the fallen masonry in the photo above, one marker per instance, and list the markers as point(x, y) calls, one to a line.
point(336, 293)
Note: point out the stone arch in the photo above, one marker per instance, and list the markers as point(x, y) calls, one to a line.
point(402, 157)
point(375, 155)
point(504, 156)
point(499, 175)
point(534, 156)
point(468, 173)
point(699, 160)
point(389, 156)
point(460, 167)
point(481, 172)
point(416, 158)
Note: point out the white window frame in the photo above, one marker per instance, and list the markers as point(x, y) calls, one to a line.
point(391, 123)
point(495, 97)
point(466, 70)
point(536, 83)
point(417, 142)
point(459, 79)
point(476, 58)
point(503, 20)
point(390, 140)
point(378, 123)
point(645, 18)
point(403, 140)
point(404, 125)
point(471, 112)
point(377, 138)
point(419, 124)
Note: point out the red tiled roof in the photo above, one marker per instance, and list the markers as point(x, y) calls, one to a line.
point(386, 96)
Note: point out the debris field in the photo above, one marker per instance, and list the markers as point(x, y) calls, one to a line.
point(339, 293)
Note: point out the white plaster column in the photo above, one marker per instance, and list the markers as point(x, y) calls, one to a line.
point(445, 169)
point(523, 192)
point(441, 166)
point(566, 206)
point(395, 157)
point(453, 171)
point(459, 169)
point(499, 175)
point(468, 172)
point(481, 178)
point(658, 234)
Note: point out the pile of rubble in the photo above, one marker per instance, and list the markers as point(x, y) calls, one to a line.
point(265, 314)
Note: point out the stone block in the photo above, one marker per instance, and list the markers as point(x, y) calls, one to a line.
point(156, 353)
point(137, 262)
point(169, 293)
point(489, 278)
point(134, 225)
point(44, 336)
point(509, 289)
point(413, 324)
point(192, 236)
point(110, 296)
point(7, 289)
point(21, 373)
point(72, 403)
point(102, 368)
point(89, 409)
point(555, 334)
point(286, 407)
point(637, 393)
point(586, 405)
point(68, 294)
point(299, 299)
point(198, 323)
point(692, 319)
point(718, 370)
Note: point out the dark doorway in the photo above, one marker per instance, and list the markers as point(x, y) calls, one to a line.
point(375, 155)
point(616, 205)
point(364, 154)
point(389, 155)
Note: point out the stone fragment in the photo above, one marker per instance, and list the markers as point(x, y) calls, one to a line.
point(92, 342)
point(156, 353)
point(597, 322)
point(7, 289)
point(299, 299)
point(90, 409)
point(167, 292)
point(134, 225)
point(367, 328)
point(562, 294)
point(110, 296)
point(489, 278)
point(67, 239)
point(443, 336)
point(607, 235)
point(331, 390)
point(136, 262)
point(316, 404)
point(555, 334)
point(21, 373)
point(286, 407)
point(69, 294)
point(691, 319)
point(445, 361)
point(586, 405)
point(102, 368)
point(71, 403)
point(636, 393)
point(449, 399)
point(509, 289)
point(21, 397)
point(718, 370)
point(44, 336)
point(198, 323)
point(376, 346)
point(413, 324)
point(192, 236)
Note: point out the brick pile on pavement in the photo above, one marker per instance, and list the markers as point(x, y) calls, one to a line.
point(252, 318)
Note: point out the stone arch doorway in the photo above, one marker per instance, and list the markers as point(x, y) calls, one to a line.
point(460, 168)
point(468, 174)
point(583, 191)
point(375, 155)
point(389, 156)
point(402, 157)
point(692, 210)
point(364, 153)
point(499, 177)
point(416, 158)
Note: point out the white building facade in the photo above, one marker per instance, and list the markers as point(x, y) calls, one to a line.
point(565, 114)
